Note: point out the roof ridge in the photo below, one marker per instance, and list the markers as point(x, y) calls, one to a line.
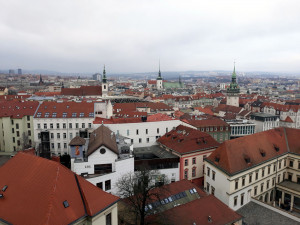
point(52, 196)
point(286, 140)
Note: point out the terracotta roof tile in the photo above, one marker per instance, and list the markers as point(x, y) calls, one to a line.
point(82, 91)
point(17, 109)
point(37, 188)
point(185, 140)
point(239, 154)
point(65, 110)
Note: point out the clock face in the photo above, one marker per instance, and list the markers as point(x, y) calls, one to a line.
point(102, 150)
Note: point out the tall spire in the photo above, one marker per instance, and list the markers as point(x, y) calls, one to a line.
point(104, 75)
point(159, 73)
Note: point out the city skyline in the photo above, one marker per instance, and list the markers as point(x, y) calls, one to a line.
point(130, 37)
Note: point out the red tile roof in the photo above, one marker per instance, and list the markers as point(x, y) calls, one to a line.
point(288, 120)
point(198, 211)
point(82, 91)
point(14, 97)
point(37, 188)
point(209, 122)
point(47, 93)
point(185, 140)
point(242, 153)
point(279, 107)
point(228, 108)
point(204, 110)
point(17, 109)
point(65, 110)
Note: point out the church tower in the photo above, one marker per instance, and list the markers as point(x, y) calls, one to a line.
point(159, 80)
point(104, 84)
point(233, 91)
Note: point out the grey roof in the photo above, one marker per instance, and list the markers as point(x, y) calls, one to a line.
point(262, 115)
point(257, 214)
point(155, 150)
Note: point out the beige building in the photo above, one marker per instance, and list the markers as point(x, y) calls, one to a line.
point(16, 125)
point(3, 91)
point(264, 166)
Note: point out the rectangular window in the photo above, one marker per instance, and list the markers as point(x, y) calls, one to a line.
point(256, 175)
point(236, 184)
point(51, 125)
point(51, 135)
point(57, 126)
point(127, 132)
point(146, 131)
point(167, 130)
point(269, 169)
point(58, 136)
point(242, 199)
point(71, 136)
point(64, 125)
point(107, 185)
point(39, 126)
point(158, 130)
point(17, 126)
point(263, 172)
point(137, 132)
point(235, 200)
point(186, 162)
point(45, 126)
point(291, 163)
point(13, 130)
point(70, 125)
point(194, 160)
point(212, 190)
point(213, 175)
point(262, 187)
point(131, 141)
point(268, 182)
point(140, 140)
point(186, 174)
point(147, 140)
point(52, 145)
point(18, 134)
point(58, 145)
point(14, 140)
point(194, 172)
point(65, 145)
point(83, 125)
point(208, 171)
point(28, 125)
point(90, 125)
point(108, 219)
point(207, 187)
point(28, 118)
point(64, 135)
point(18, 141)
point(29, 133)
point(243, 181)
point(250, 178)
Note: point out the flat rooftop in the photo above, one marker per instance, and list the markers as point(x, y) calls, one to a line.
point(155, 150)
point(290, 185)
point(256, 214)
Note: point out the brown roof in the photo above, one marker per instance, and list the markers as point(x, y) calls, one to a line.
point(209, 122)
point(239, 154)
point(82, 91)
point(228, 108)
point(17, 109)
point(77, 141)
point(198, 211)
point(102, 136)
point(37, 188)
point(185, 140)
point(65, 110)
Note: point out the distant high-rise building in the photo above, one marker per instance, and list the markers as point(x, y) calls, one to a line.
point(233, 91)
point(11, 71)
point(20, 71)
point(97, 76)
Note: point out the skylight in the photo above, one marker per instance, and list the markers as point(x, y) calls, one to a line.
point(66, 204)
point(74, 114)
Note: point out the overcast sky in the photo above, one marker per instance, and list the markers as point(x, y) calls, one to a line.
point(131, 35)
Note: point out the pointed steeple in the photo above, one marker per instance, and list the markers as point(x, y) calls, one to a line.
point(159, 73)
point(104, 75)
point(233, 85)
point(234, 74)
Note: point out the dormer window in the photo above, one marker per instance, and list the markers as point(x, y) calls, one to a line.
point(262, 152)
point(64, 115)
point(276, 148)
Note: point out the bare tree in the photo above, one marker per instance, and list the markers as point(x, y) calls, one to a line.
point(137, 191)
point(25, 141)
